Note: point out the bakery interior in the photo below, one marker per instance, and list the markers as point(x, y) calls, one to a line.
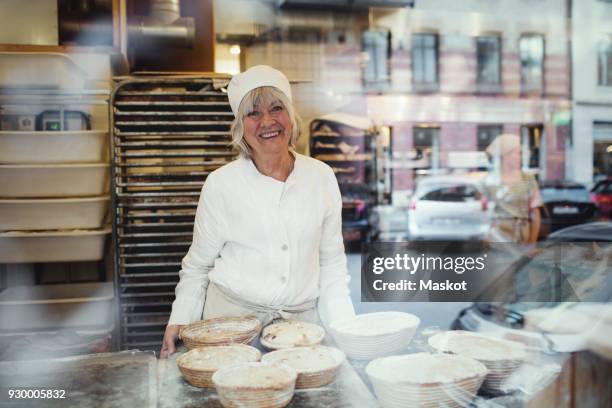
point(113, 112)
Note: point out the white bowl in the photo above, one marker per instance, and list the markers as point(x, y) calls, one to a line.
point(372, 335)
point(501, 357)
point(425, 379)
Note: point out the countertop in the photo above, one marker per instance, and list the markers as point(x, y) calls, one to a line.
point(138, 379)
point(346, 391)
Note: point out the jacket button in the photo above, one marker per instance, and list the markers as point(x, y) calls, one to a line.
point(283, 279)
point(285, 247)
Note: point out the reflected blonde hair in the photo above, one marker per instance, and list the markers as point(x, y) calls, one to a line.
point(503, 144)
point(265, 95)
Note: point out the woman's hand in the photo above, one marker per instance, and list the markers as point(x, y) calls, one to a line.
point(170, 336)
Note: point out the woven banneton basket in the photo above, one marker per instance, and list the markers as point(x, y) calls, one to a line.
point(202, 377)
point(255, 385)
point(308, 377)
point(220, 331)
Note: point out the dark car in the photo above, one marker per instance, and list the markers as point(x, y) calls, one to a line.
point(565, 204)
point(602, 196)
point(578, 257)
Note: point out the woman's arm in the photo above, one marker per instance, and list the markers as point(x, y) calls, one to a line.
point(534, 226)
point(205, 247)
point(334, 301)
point(535, 216)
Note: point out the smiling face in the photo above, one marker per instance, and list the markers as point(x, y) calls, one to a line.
point(265, 123)
point(267, 127)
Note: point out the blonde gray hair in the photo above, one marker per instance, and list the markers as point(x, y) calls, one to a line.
point(262, 96)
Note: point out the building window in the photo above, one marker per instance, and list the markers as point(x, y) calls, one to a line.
point(531, 48)
point(602, 150)
point(424, 62)
point(426, 143)
point(486, 135)
point(532, 148)
point(488, 63)
point(605, 62)
point(376, 51)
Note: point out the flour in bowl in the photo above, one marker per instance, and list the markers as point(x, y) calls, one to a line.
point(215, 357)
point(254, 375)
point(292, 333)
point(306, 359)
point(478, 346)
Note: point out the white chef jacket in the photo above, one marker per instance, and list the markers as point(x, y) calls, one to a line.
point(269, 242)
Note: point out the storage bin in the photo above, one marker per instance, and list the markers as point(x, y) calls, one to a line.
point(56, 306)
point(53, 180)
point(50, 213)
point(79, 146)
point(52, 246)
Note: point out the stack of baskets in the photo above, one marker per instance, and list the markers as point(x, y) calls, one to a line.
point(501, 357)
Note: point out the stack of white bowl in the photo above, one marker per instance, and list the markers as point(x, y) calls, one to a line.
point(372, 335)
point(501, 357)
point(425, 380)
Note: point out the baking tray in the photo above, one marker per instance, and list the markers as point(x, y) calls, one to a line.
point(56, 306)
point(50, 213)
point(52, 246)
point(53, 180)
point(82, 146)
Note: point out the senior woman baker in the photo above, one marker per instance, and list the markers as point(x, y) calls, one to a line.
point(516, 195)
point(267, 236)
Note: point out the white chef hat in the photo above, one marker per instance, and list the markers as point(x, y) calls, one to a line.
point(255, 77)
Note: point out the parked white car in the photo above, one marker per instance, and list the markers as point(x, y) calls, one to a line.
point(449, 208)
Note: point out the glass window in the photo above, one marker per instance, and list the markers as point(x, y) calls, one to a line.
point(424, 59)
point(575, 194)
point(376, 54)
point(603, 187)
point(425, 142)
point(532, 146)
point(602, 159)
point(531, 48)
point(453, 193)
point(488, 55)
point(486, 134)
point(563, 271)
point(605, 62)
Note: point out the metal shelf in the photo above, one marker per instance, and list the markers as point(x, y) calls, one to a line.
point(168, 135)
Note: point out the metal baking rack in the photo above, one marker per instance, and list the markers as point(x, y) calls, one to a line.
point(168, 134)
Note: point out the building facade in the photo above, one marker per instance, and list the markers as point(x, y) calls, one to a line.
point(464, 72)
point(442, 78)
point(592, 90)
